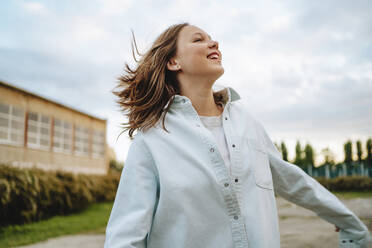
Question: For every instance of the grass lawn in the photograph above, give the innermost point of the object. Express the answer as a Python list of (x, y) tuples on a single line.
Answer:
[(92, 220), (352, 194)]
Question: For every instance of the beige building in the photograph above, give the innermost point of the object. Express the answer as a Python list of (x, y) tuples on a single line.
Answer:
[(35, 131)]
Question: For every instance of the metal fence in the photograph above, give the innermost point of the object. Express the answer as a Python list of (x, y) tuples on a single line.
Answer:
[(328, 171)]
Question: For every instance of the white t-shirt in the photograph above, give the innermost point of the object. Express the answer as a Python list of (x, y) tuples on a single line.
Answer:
[(214, 124)]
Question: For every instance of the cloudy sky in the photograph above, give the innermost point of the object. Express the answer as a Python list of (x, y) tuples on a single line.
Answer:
[(304, 67)]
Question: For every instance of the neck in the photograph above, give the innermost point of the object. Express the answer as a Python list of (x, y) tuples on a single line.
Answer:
[(201, 95)]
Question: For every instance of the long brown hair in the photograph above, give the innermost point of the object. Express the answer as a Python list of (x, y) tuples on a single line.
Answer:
[(144, 91)]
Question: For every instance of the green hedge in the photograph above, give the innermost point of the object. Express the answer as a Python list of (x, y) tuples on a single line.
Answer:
[(346, 183), (28, 195)]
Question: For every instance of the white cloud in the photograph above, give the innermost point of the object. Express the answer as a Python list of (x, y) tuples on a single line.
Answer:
[(85, 30), (114, 7), (278, 24), (34, 7)]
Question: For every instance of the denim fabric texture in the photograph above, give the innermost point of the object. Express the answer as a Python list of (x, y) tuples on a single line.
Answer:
[(176, 192)]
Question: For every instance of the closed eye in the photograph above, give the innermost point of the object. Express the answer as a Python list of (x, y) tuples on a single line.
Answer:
[(197, 40)]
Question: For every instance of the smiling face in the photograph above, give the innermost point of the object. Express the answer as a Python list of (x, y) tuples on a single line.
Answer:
[(197, 54)]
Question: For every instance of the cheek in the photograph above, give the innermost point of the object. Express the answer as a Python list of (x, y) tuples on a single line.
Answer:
[(195, 56), (200, 53)]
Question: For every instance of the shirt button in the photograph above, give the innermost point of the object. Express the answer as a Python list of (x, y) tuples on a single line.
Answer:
[(236, 180), (226, 185), (233, 145), (212, 150), (225, 118), (236, 217)]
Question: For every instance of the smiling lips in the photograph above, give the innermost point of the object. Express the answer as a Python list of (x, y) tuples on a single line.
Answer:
[(213, 56)]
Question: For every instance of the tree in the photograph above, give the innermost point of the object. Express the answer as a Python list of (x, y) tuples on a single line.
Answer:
[(329, 157), (309, 155), (284, 151), (369, 152), (299, 156), (348, 151), (359, 151)]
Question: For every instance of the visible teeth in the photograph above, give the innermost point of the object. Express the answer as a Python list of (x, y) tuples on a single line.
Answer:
[(213, 56)]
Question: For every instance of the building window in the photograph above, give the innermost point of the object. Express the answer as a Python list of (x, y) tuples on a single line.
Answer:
[(98, 146), (12, 124), (62, 136), (38, 131), (81, 140)]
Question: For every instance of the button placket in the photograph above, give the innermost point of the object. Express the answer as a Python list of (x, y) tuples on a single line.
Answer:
[(236, 161), (229, 140), (229, 193)]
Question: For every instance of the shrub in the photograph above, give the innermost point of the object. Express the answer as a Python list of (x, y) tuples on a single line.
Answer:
[(346, 183), (115, 166), (28, 195)]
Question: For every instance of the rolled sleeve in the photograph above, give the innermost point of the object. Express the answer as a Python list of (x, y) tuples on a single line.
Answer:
[(294, 185), (135, 202)]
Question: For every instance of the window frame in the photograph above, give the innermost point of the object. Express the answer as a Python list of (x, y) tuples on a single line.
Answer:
[(9, 130), (101, 144), (39, 136), (78, 130), (62, 140)]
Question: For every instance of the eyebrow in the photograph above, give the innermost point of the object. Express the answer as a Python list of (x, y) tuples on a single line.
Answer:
[(202, 35)]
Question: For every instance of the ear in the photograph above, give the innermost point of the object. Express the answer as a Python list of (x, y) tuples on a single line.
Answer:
[(173, 65)]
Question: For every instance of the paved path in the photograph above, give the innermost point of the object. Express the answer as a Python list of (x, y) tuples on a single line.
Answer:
[(299, 227), (72, 241)]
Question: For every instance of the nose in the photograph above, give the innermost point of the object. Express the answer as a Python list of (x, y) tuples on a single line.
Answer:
[(213, 43)]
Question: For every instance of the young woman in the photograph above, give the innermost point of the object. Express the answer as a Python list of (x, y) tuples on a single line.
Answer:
[(201, 172)]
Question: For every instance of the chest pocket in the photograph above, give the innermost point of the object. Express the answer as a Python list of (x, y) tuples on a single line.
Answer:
[(260, 164)]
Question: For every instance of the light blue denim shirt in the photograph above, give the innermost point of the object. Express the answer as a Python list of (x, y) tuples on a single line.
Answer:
[(176, 192)]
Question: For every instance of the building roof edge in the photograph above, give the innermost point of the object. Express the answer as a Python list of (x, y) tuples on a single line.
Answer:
[(23, 91)]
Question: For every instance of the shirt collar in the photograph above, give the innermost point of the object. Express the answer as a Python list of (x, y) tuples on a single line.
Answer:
[(228, 93)]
